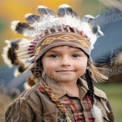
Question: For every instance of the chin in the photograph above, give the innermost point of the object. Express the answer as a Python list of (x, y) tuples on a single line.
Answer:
[(65, 79)]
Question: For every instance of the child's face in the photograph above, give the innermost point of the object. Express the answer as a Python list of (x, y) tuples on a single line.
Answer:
[(64, 63)]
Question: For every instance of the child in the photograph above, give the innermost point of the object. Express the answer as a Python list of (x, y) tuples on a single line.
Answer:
[(62, 68)]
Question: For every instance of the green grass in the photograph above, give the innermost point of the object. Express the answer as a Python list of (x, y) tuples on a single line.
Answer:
[(114, 94)]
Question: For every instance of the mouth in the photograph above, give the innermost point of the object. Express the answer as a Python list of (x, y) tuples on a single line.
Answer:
[(65, 71)]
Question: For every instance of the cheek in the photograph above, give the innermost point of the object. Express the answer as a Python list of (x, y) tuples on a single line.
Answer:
[(81, 66), (49, 66)]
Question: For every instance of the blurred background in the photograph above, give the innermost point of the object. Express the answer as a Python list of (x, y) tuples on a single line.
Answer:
[(107, 51)]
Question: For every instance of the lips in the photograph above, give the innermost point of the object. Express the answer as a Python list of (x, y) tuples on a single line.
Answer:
[(65, 71)]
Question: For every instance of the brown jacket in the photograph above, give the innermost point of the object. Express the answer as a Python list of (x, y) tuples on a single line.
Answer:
[(34, 105)]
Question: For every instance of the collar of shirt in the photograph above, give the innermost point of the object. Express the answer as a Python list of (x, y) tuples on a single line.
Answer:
[(97, 92), (59, 91), (83, 89)]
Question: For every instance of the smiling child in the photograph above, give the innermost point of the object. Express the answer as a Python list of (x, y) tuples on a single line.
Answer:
[(63, 71)]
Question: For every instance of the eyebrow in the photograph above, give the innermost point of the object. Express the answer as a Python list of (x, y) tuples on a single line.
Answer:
[(53, 51), (77, 50), (74, 50)]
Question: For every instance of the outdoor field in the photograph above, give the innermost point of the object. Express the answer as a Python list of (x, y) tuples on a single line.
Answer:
[(114, 94)]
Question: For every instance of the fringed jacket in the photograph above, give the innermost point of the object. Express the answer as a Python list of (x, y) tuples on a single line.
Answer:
[(34, 105)]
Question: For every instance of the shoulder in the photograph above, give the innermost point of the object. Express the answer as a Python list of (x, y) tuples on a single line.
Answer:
[(97, 92), (30, 97), (30, 93), (24, 105), (100, 93)]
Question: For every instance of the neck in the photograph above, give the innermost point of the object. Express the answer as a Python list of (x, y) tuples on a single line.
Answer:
[(70, 87), (69, 84)]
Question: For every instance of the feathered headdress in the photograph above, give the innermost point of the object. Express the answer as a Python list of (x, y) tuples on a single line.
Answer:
[(49, 30)]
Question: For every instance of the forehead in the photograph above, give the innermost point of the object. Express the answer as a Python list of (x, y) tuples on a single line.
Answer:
[(62, 48)]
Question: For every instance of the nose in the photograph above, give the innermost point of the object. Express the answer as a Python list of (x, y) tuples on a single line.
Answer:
[(65, 61)]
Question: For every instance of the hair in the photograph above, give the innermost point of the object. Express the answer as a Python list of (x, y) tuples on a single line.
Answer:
[(97, 73), (93, 74), (90, 85)]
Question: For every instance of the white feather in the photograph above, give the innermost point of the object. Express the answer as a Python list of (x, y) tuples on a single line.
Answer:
[(6, 60), (5, 54), (49, 22), (14, 24), (64, 6), (24, 54), (16, 73), (68, 19), (97, 114), (26, 86), (24, 41), (27, 61), (28, 14), (41, 6)]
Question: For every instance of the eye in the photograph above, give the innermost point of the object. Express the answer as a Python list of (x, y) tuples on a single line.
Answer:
[(76, 55), (53, 56)]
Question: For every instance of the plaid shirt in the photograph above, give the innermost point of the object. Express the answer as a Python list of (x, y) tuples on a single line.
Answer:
[(78, 111), (34, 105)]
